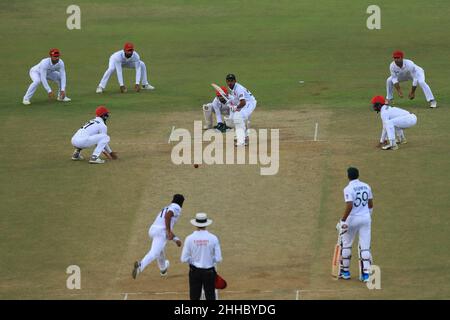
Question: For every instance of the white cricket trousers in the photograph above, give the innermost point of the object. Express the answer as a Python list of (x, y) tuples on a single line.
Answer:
[(112, 68), (420, 79), (240, 120), (36, 78), (159, 240), (82, 141), (399, 123), (357, 225)]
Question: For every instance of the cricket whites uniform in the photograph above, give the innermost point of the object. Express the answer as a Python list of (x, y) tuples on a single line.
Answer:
[(394, 121), (409, 71), (220, 109), (240, 117), (43, 71), (359, 221), (157, 232), (117, 61), (94, 132)]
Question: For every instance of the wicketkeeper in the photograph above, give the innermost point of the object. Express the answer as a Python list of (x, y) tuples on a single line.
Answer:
[(221, 109)]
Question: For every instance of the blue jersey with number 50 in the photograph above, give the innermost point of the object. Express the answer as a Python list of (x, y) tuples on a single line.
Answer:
[(359, 193)]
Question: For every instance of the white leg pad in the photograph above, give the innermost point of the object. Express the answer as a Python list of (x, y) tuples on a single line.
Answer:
[(239, 125)]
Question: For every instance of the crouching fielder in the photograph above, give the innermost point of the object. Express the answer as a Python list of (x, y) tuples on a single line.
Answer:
[(394, 121), (221, 109), (357, 219), (161, 231), (94, 133), (126, 58), (240, 114), (53, 69)]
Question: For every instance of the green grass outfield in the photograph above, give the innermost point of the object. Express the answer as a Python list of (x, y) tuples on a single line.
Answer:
[(54, 213)]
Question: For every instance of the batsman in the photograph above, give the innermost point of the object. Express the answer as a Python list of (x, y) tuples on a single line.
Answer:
[(356, 220)]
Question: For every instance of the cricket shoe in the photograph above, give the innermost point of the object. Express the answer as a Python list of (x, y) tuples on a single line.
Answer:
[(77, 155), (136, 269), (99, 90), (364, 277), (403, 141), (433, 104), (207, 127), (148, 86), (96, 160), (163, 272), (345, 275), (65, 99), (26, 102), (390, 147)]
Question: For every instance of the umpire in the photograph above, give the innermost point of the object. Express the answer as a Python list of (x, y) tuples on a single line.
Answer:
[(202, 251)]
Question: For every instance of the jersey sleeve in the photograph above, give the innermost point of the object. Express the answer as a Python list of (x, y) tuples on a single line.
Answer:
[(217, 251), (393, 75), (118, 66), (175, 209), (348, 196), (239, 93), (370, 192), (137, 65), (62, 72), (43, 75), (412, 70)]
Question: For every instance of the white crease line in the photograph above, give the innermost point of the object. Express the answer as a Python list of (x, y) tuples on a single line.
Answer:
[(316, 131), (126, 296), (170, 136), (297, 295)]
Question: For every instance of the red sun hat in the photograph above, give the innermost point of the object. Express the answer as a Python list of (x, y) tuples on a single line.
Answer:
[(101, 111), (378, 99), (54, 52), (128, 46), (398, 54), (224, 90)]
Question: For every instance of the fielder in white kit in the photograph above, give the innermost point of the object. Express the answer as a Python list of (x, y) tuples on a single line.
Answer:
[(221, 109), (356, 220), (161, 231), (94, 133), (48, 69), (126, 58), (404, 70), (240, 114), (394, 121)]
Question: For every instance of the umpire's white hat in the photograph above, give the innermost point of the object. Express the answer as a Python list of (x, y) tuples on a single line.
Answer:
[(201, 220)]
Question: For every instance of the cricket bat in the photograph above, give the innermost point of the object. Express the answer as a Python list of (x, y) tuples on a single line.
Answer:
[(219, 89), (336, 262)]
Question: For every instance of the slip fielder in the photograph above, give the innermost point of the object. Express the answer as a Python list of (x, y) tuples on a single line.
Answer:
[(404, 70), (394, 121), (94, 133), (356, 220), (126, 58), (48, 69)]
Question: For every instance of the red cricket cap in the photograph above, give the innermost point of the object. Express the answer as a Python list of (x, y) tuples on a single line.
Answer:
[(100, 111), (128, 46), (54, 52), (397, 54), (224, 90), (378, 99)]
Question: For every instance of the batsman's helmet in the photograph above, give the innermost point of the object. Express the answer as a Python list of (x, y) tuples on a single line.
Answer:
[(224, 90), (230, 76), (378, 102), (101, 111)]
